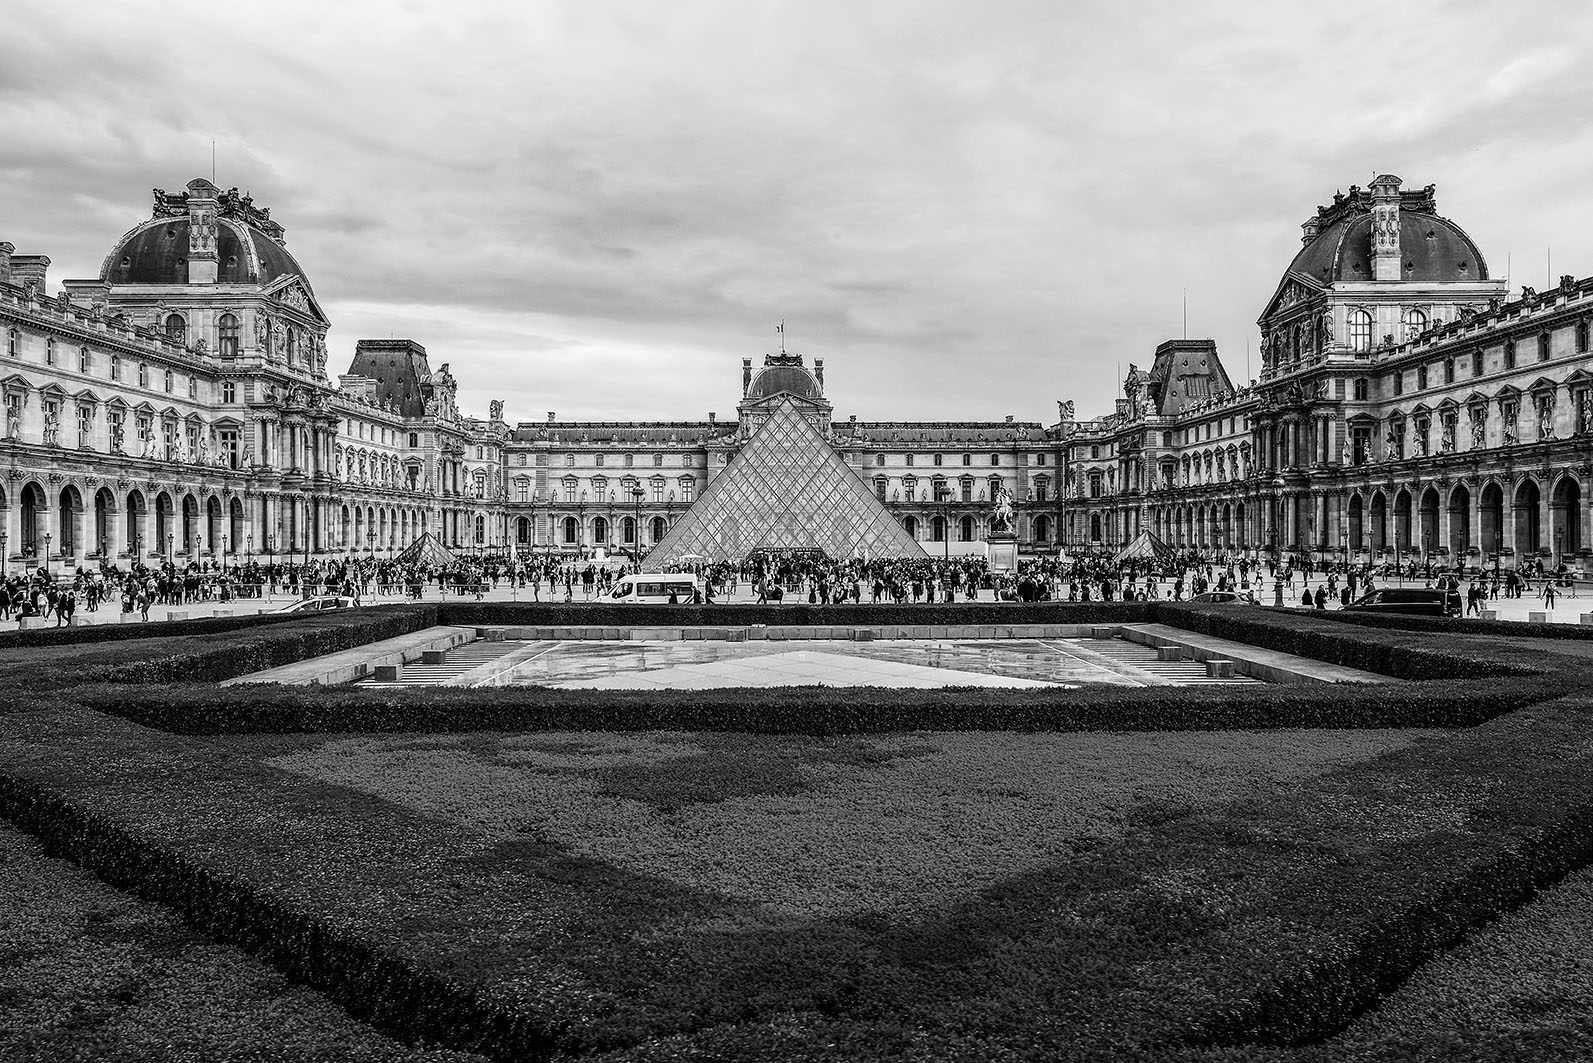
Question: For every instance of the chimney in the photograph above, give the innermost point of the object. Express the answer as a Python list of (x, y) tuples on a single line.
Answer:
[(1009, 418), (818, 372), (712, 417), (1386, 256), (550, 417), (6, 247), (203, 227), (1312, 226), (25, 268), (746, 376)]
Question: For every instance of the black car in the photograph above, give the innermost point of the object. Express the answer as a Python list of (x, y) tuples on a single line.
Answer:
[(1408, 601)]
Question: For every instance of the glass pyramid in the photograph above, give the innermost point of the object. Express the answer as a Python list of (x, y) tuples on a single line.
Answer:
[(785, 490)]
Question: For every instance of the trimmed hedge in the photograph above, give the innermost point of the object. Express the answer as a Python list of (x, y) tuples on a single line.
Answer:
[(606, 614), (158, 629), (274, 709), (203, 657), (1206, 934)]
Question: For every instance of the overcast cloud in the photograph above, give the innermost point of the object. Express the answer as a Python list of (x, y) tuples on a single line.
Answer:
[(968, 210)]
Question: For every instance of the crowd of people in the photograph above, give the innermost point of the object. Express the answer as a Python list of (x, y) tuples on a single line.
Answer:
[(808, 577)]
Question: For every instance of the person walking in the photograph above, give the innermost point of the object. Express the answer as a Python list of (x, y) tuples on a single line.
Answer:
[(1548, 594)]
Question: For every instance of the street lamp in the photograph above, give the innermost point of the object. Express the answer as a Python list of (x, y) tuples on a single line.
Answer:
[(171, 549), (637, 494), (943, 500), (47, 538), (3, 557)]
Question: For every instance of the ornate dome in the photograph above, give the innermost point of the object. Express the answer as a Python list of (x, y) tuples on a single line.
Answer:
[(249, 248), (793, 379), (1433, 250)]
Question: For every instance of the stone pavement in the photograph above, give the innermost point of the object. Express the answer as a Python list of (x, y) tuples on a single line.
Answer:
[(1567, 610)]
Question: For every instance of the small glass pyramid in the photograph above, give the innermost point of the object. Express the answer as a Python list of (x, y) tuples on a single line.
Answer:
[(785, 490)]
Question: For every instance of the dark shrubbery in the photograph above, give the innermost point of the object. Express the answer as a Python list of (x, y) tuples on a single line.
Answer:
[(161, 658), (605, 614), (203, 709)]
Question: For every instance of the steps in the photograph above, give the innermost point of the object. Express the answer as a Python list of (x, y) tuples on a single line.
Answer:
[(1144, 658), (458, 661)]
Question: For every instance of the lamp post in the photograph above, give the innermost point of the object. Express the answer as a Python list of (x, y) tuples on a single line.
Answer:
[(171, 549), (943, 501), (47, 538), (637, 495), (223, 551), (3, 557)]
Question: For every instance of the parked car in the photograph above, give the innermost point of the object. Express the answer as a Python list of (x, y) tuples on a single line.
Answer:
[(1225, 598), (313, 605), (1408, 601)]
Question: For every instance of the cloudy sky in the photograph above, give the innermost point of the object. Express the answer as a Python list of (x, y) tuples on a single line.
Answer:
[(968, 210)]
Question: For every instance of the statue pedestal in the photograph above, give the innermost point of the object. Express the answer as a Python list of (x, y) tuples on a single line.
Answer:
[(1003, 552)]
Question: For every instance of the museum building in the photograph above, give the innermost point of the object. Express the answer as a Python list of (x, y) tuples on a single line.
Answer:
[(1406, 409), (178, 405)]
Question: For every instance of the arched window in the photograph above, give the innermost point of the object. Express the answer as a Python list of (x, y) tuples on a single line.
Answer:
[(1543, 347), (1042, 530), (967, 529), (570, 531), (143, 374), (176, 328), (879, 459), (1415, 323), (227, 329), (1360, 330), (910, 526)]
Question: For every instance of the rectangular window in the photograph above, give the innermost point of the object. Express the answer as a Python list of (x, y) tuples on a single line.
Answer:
[(229, 446), (1039, 491), (1039, 459), (1476, 362), (1510, 354), (1449, 370), (688, 489), (1421, 378), (193, 387), (522, 490), (909, 461), (1360, 389), (116, 367), (1399, 383), (229, 392), (879, 488), (569, 491), (49, 352), (967, 490), (658, 490), (1543, 347), (82, 360)]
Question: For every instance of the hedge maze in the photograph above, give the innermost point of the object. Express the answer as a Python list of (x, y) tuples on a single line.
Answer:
[(1261, 925)]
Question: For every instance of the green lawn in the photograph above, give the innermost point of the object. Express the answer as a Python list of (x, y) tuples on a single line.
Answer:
[(820, 828), (90, 973)]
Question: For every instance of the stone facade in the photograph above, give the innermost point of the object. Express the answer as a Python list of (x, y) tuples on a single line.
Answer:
[(1405, 410), (179, 405)]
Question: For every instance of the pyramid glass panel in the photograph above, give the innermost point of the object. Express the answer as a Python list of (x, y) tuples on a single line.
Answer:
[(785, 490)]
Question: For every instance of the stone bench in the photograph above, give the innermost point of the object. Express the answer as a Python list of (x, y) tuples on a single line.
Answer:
[(1218, 669), (434, 657), (1537, 618), (1174, 653), (389, 673)]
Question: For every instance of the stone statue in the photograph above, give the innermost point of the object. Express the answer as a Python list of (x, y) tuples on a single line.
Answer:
[(1366, 452), (52, 428), (1001, 520), (1344, 453), (1064, 410), (1587, 413), (116, 438), (1448, 443), (262, 330), (495, 410), (1326, 328), (204, 451), (1479, 431), (149, 444), (247, 461), (1545, 422), (1391, 447), (1510, 435), (279, 339), (13, 422)]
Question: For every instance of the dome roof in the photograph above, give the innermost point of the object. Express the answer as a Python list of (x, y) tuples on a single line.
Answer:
[(1432, 249), (791, 379), (157, 253)]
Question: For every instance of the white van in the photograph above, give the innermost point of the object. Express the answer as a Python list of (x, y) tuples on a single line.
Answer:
[(654, 588)]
